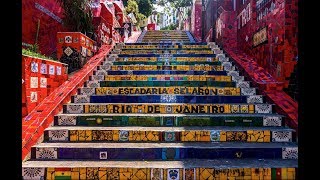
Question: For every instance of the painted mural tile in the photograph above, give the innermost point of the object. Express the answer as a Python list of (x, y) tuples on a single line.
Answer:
[(58, 135), (190, 174), (33, 173), (248, 91), (281, 136), (43, 68), (46, 153), (123, 135), (74, 109), (235, 108), (255, 99), (34, 67), (173, 174), (263, 108), (103, 155), (169, 136), (290, 153), (33, 96), (68, 51), (68, 39), (93, 84), (43, 82), (215, 135), (157, 174), (271, 121), (67, 120), (87, 91), (106, 135), (33, 82), (58, 70), (81, 99), (51, 69)]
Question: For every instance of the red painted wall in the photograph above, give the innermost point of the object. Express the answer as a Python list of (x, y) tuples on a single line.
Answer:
[(278, 54), (38, 83), (196, 26), (50, 15)]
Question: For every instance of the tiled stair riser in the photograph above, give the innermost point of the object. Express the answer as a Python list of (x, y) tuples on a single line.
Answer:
[(168, 121), (51, 173), (263, 136)]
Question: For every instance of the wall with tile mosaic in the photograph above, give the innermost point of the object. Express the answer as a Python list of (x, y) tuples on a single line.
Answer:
[(39, 78)]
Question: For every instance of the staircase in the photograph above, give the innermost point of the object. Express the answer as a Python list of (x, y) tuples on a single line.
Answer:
[(166, 109)]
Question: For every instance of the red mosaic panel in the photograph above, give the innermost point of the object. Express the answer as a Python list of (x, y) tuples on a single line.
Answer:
[(41, 117)]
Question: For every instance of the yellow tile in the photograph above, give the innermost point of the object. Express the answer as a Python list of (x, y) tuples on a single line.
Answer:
[(74, 135), (284, 173), (115, 135), (267, 177), (291, 169), (83, 173), (247, 178), (266, 133), (266, 139), (75, 175), (88, 135), (223, 136), (50, 173), (291, 175)]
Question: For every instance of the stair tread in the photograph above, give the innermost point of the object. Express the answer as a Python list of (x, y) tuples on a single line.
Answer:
[(139, 128), (212, 163), (211, 145)]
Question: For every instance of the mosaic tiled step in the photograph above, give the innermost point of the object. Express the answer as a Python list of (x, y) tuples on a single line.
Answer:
[(166, 67), (177, 48), (165, 77), (167, 90), (144, 46), (174, 59), (166, 52), (179, 170), (168, 134), (157, 72), (167, 120), (161, 84), (164, 151), (167, 108), (165, 98), (167, 55), (161, 44), (160, 63)]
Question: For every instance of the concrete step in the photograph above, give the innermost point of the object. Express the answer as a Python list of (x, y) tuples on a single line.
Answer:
[(166, 98), (167, 90), (163, 151), (169, 120), (203, 169), (167, 108), (168, 134)]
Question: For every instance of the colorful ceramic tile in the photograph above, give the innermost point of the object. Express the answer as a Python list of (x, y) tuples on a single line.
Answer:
[(58, 70), (248, 91), (156, 174), (33, 82), (168, 109), (254, 99), (33, 173), (87, 91), (68, 39), (244, 108), (190, 174), (169, 136), (51, 69), (173, 174), (68, 51), (103, 155), (58, 135), (43, 69), (34, 67), (290, 153), (74, 109), (235, 109), (281, 136), (67, 120), (43, 82), (215, 135), (33, 96), (93, 84), (271, 121), (46, 153), (263, 108), (83, 51), (99, 76), (243, 84), (81, 99), (123, 135)]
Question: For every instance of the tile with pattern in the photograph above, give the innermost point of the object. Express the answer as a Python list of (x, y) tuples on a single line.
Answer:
[(58, 135), (281, 136), (290, 153), (33, 173), (74, 109), (67, 120), (46, 153)]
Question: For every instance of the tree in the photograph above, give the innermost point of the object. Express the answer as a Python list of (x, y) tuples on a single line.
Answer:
[(145, 7), (132, 7), (77, 15)]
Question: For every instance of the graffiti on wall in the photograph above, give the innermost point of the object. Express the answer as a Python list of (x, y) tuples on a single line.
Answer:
[(244, 16), (264, 7)]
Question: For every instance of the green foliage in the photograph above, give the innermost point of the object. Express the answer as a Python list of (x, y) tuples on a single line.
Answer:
[(170, 27), (31, 52), (132, 7), (145, 7), (77, 15), (176, 3)]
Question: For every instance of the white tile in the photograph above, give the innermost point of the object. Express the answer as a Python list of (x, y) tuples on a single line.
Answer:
[(33, 173), (74, 109), (263, 108), (58, 135), (43, 82), (33, 82), (290, 153), (281, 136), (46, 153)]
